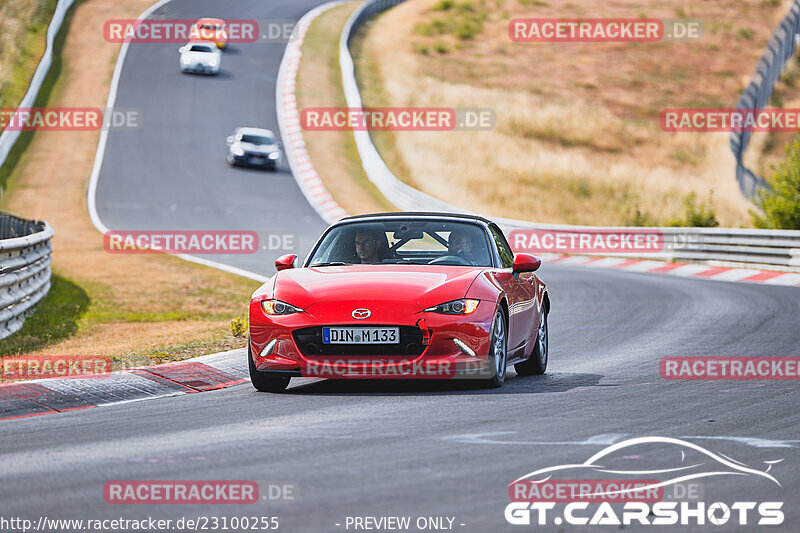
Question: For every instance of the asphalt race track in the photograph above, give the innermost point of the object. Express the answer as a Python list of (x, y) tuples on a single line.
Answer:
[(391, 448), (445, 449), (171, 174)]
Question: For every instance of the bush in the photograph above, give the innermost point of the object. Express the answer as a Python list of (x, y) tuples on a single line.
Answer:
[(697, 215), (469, 27), (781, 204), (634, 216), (444, 5), (239, 326), (461, 20)]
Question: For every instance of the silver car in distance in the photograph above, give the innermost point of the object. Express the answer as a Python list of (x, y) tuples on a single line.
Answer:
[(200, 57), (254, 147)]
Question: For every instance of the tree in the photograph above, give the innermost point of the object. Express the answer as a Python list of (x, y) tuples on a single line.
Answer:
[(781, 204)]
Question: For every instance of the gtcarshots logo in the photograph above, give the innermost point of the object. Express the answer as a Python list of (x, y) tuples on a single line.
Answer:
[(614, 488)]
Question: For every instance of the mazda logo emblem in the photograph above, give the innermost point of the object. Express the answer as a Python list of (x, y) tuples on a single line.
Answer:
[(361, 314)]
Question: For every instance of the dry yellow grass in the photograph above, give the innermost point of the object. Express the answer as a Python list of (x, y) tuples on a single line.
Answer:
[(139, 303), (319, 84), (577, 139)]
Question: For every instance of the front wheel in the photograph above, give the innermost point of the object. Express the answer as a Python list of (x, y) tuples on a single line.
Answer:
[(497, 352), (265, 381), (536, 364)]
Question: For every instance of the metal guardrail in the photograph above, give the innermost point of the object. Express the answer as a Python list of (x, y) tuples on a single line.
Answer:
[(25, 253), (9, 137), (776, 248), (751, 247), (764, 247), (769, 68)]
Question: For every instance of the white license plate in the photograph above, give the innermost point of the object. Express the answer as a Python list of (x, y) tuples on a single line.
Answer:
[(360, 335)]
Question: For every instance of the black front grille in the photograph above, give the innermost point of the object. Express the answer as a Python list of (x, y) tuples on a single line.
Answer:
[(309, 340)]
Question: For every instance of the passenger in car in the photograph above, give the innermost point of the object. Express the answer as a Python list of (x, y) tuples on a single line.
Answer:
[(460, 244)]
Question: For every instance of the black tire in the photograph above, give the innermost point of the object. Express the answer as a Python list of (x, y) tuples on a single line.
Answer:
[(265, 381), (536, 364), (498, 352)]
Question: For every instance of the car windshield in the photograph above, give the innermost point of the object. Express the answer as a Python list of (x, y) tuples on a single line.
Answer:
[(257, 139), (200, 48), (404, 242)]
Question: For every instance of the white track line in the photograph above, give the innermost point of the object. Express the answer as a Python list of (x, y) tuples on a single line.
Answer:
[(91, 193)]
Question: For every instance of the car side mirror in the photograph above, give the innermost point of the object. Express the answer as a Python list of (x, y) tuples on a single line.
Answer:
[(285, 261), (526, 263), (230, 139)]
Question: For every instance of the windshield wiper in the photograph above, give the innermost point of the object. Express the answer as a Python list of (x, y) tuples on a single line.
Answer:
[(332, 263)]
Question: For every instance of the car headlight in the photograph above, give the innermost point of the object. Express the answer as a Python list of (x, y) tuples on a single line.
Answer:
[(238, 151), (456, 307), (185, 60), (212, 63), (274, 155), (277, 307)]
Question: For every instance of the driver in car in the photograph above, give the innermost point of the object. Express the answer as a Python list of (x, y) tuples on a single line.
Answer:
[(367, 246), (460, 245)]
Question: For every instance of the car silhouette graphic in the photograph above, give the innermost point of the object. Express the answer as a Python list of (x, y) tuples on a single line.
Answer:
[(692, 462)]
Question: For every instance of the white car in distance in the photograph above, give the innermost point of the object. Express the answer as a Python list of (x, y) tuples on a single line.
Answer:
[(200, 57)]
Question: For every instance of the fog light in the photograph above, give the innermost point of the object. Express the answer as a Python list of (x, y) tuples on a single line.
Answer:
[(268, 348), (464, 348)]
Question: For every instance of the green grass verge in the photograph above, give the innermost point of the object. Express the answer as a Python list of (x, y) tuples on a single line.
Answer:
[(54, 318), (27, 51), (45, 93)]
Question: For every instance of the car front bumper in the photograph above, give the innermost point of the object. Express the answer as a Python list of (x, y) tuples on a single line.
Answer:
[(251, 161), (275, 348), (200, 69)]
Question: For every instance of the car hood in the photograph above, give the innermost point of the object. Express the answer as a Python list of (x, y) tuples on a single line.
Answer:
[(424, 286), (257, 148)]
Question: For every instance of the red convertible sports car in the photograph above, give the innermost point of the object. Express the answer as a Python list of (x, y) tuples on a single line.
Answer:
[(401, 295)]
